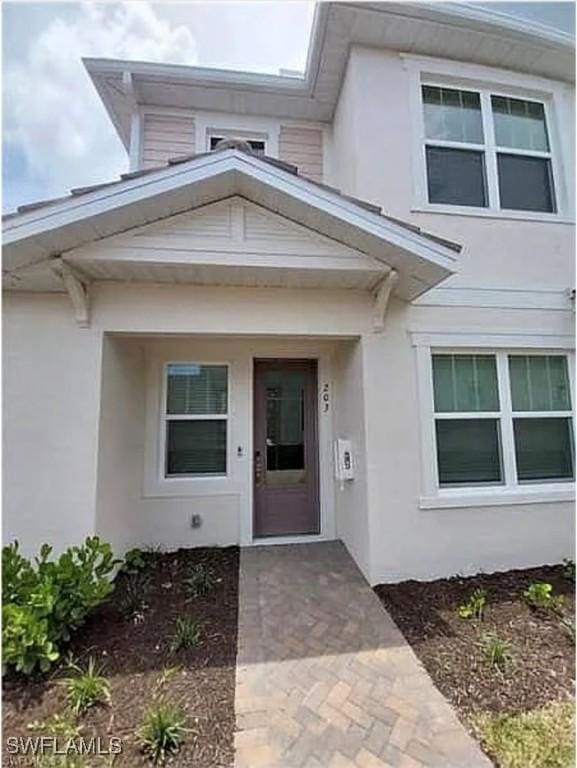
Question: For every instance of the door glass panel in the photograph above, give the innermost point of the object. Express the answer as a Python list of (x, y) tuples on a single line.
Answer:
[(285, 438)]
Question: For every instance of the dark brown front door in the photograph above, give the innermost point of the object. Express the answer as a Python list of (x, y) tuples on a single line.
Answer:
[(286, 498)]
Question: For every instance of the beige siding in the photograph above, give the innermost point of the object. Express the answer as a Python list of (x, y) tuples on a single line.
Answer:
[(166, 135), (303, 147)]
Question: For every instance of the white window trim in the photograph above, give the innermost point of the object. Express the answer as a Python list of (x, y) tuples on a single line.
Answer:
[(165, 418), (484, 81), (509, 492)]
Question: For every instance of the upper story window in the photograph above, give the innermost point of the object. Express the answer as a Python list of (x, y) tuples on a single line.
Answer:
[(257, 145), (487, 150)]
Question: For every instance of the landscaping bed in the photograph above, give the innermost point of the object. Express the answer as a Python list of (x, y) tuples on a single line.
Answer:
[(133, 636), (536, 644)]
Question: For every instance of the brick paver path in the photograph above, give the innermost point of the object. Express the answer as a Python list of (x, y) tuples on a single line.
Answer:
[(325, 679)]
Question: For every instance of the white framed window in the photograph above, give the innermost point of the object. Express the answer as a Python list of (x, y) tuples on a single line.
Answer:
[(501, 418), (195, 412), (486, 149), (258, 143)]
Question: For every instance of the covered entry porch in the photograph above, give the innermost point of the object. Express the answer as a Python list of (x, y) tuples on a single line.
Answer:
[(193, 435)]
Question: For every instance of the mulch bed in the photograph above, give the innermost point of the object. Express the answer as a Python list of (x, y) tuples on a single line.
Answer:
[(542, 667), (136, 650)]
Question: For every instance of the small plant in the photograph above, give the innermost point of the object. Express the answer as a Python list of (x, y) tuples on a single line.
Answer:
[(133, 593), (200, 582), (86, 688), (569, 569), (134, 561), (162, 730), (474, 606), (186, 634), (539, 594), (496, 651)]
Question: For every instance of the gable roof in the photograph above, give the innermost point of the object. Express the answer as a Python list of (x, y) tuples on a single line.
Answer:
[(43, 231), (455, 31)]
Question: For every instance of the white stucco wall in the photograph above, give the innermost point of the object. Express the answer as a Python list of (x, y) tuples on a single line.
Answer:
[(375, 157), (350, 419), (51, 395), (407, 541), (136, 506), (120, 441)]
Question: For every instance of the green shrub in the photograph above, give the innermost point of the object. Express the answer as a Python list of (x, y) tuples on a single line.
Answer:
[(496, 651), (86, 688), (539, 594), (163, 729), (18, 576), (474, 606), (186, 634), (200, 582), (26, 642), (134, 561), (45, 601)]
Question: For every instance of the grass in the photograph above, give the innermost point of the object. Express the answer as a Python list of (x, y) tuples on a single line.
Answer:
[(163, 730), (496, 651), (186, 634), (86, 688), (543, 738), (200, 582)]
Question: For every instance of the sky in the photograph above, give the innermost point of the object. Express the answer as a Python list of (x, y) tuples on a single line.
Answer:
[(56, 134)]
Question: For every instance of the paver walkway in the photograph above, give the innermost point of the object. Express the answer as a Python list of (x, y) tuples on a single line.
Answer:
[(325, 679)]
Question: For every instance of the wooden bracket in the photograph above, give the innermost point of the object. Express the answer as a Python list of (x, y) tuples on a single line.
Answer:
[(77, 290), (382, 297)]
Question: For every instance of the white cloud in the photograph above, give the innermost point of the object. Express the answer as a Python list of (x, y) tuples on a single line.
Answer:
[(52, 114)]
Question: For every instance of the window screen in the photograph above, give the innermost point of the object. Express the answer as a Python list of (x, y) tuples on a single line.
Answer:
[(468, 451), (465, 383), (456, 176), (519, 124), (539, 383), (452, 115), (196, 389), (525, 183)]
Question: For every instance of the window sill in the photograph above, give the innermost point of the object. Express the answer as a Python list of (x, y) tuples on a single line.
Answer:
[(485, 213), (498, 498)]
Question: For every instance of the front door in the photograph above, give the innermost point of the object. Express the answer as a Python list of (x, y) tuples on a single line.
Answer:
[(286, 498)]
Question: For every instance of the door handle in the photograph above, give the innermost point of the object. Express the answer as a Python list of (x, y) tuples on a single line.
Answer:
[(257, 468)]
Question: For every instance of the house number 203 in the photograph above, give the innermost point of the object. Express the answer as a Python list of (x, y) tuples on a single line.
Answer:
[(325, 398)]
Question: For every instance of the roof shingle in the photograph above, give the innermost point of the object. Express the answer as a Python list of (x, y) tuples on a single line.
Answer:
[(242, 147)]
